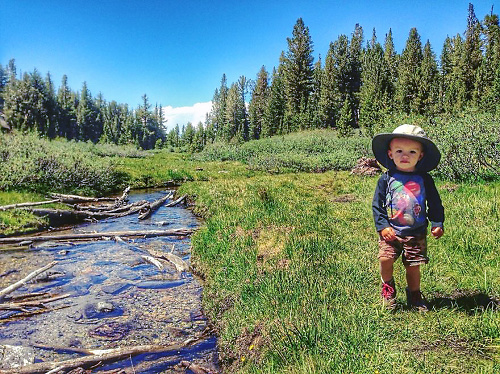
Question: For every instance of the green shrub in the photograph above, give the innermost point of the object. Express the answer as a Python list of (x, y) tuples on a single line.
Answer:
[(469, 145), (311, 151), (33, 164)]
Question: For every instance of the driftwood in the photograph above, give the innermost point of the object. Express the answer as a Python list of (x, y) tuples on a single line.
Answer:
[(23, 205), (116, 210), (26, 279), (31, 313), (157, 256), (75, 199), (98, 357), (148, 210), (32, 303), (97, 235)]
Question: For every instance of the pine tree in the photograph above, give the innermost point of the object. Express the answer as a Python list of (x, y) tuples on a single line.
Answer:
[(428, 95), (4, 78), (298, 74), (51, 106), (236, 124), (314, 108), (258, 104), (335, 85), (25, 103), (354, 82), (275, 111), (86, 116), (485, 86), (66, 102), (344, 124), (407, 89), (376, 86), (391, 61), (472, 55)]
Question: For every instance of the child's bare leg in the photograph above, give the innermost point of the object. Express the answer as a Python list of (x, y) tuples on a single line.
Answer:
[(413, 277), (386, 268)]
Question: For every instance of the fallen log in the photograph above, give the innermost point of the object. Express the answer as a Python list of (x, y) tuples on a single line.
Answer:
[(75, 199), (109, 208), (98, 235), (71, 216), (26, 279), (23, 205), (99, 357), (178, 201), (150, 208)]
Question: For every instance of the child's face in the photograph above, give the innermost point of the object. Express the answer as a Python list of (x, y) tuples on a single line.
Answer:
[(405, 153)]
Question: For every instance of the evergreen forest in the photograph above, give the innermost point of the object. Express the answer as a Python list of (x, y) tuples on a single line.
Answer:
[(356, 86)]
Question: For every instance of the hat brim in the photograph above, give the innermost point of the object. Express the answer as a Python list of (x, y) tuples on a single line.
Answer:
[(380, 145)]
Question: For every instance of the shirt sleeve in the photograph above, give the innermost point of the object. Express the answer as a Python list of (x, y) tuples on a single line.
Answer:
[(435, 209), (379, 204)]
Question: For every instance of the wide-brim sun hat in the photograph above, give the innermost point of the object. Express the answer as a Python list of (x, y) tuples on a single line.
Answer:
[(380, 145)]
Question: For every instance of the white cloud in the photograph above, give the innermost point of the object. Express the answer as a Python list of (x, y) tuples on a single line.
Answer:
[(183, 115)]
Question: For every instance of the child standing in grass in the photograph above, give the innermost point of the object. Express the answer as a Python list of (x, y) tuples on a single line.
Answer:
[(405, 200)]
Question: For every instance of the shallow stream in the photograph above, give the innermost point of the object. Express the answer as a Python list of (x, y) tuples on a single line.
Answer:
[(117, 299)]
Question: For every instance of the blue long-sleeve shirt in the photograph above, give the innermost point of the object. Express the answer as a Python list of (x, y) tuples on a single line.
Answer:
[(406, 202)]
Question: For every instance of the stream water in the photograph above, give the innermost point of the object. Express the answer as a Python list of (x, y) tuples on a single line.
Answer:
[(117, 299)]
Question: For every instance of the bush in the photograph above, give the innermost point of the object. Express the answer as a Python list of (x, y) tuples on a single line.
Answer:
[(33, 164), (311, 151), (469, 145)]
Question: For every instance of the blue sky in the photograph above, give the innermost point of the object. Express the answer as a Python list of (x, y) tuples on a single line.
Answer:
[(176, 51)]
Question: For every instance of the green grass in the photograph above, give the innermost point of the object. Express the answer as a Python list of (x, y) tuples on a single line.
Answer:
[(292, 280), (290, 268)]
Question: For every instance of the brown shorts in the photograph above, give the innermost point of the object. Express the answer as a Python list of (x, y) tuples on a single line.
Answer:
[(412, 248)]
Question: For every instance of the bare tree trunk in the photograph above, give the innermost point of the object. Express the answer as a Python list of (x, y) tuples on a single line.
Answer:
[(22, 205)]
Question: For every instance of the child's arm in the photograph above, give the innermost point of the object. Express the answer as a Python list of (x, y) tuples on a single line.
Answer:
[(380, 211), (435, 209)]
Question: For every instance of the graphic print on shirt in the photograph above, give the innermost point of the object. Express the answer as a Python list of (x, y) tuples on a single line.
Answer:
[(406, 200)]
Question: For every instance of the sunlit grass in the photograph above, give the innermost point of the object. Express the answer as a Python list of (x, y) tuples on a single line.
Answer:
[(293, 257)]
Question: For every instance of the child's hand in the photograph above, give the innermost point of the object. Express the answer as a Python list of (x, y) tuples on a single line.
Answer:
[(437, 232), (388, 234)]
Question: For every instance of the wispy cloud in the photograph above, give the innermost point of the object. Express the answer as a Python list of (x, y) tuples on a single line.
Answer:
[(183, 115)]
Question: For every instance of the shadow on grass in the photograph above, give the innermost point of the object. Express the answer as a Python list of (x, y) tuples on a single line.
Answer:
[(470, 302)]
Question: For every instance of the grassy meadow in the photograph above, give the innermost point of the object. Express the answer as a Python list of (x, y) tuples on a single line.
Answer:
[(288, 256)]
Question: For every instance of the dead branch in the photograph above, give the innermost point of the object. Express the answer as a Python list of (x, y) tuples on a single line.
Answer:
[(99, 357), (22, 205), (151, 208), (179, 263), (97, 235), (21, 282), (153, 261), (32, 303), (75, 199), (178, 201), (31, 313)]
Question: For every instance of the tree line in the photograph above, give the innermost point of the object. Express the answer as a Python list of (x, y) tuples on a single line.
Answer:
[(30, 103), (356, 86)]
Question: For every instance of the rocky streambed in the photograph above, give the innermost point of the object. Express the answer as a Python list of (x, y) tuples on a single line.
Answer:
[(114, 296)]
